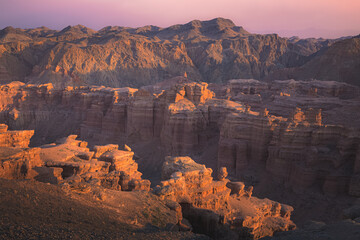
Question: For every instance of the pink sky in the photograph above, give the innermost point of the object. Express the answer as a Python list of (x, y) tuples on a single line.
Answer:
[(305, 18)]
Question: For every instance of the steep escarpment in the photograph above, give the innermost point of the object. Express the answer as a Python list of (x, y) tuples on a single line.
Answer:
[(221, 209), (69, 160), (104, 174), (300, 136), (211, 51), (16, 159), (289, 119)]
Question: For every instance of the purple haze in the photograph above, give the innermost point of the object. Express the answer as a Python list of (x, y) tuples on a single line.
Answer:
[(306, 18)]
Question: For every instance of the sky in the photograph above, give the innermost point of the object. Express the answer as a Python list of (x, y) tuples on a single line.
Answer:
[(303, 18)]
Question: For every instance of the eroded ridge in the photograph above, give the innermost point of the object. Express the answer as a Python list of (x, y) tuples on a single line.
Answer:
[(221, 209), (304, 133)]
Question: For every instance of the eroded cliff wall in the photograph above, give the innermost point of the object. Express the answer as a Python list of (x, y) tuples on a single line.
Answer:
[(304, 133)]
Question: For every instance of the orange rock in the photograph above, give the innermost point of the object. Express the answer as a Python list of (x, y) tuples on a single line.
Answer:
[(187, 181), (207, 204), (15, 138), (17, 163)]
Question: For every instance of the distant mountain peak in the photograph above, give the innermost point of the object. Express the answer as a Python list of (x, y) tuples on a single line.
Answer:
[(194, 23), (77, 28), (11, 29), (8, 29), (222, 22), (14, 33)]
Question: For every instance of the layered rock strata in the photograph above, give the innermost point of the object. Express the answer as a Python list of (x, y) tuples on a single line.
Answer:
[(69, 160), (293, 128), (212, 210), (19, 139), (16, 159), (105, 165), (189, 182)]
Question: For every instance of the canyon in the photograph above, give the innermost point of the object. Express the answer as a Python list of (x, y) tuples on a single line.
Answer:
[(200, 130), (317, 144), (105, 171), (256, 137)]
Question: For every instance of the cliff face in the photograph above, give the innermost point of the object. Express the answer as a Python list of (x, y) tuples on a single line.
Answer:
[(304, 133), (19, 139), (187, 190), (70, 161), (211, 208), (105, 166), (211, 51), (300, 152), (16, 159)]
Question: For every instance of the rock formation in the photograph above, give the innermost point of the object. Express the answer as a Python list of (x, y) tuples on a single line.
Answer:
[(19, 139), (303, 132), (211, 209), (192, 183), (106, 165), (214, 51), (304, 135), (16, 159), (295, 140), (70, 163), (69, 160)]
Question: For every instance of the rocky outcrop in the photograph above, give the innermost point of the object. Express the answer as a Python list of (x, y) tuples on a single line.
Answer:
[(302, 135), (106, 165), (304, 157), (244, 138), (16, 159), (192, 183), (69, 160), (184, 121), (212, 210), (304, 147), (17, 163), (19, 139), (296, 150), (301, 132), (182, 129)]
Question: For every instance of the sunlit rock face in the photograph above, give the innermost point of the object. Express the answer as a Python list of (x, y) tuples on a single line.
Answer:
[(191, 182), (69, 160), (16, 159), (220, 208), (211, 51), (105, 166), (302, 132), (244, 137), (305, 137), (188, 188), (14, 138), (302, 135)]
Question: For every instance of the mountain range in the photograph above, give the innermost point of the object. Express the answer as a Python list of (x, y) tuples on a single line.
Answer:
[(212, 51)]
